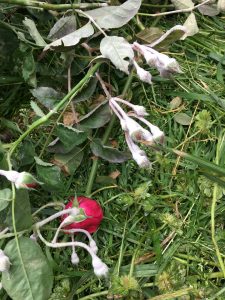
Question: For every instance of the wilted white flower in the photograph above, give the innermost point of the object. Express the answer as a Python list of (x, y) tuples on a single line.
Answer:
[(93, 246), (4, 262), (138, 109), (134, 132), (22, 180), (157, 134), (162, 62), (100, 268), (138, 155), (144, 75), (74, 258)]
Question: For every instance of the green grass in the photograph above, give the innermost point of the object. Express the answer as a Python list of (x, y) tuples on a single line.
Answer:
[(163, 231)]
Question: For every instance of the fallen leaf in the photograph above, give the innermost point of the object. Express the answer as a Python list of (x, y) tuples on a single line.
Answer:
[(115, 174)]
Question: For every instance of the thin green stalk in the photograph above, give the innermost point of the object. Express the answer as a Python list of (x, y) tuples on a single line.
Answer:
[(173, 295), (200, 260), (213, 209), (45, 118), (95, 295), (105, 139), (49, 6), (212, 167)]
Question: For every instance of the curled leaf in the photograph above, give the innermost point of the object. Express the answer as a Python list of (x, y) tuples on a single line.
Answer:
[(62, 27), (72, 38)]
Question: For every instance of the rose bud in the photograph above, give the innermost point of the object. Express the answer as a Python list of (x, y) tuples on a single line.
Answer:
[(92, 210), (23, 180)]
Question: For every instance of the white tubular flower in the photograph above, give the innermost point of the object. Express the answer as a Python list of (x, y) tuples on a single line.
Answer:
[(143, 75), (138, 155), (163, 63), (100, 268), (138, 109), (74, 258), (157, 134), (137, 132), (4, 262), (23, 180)]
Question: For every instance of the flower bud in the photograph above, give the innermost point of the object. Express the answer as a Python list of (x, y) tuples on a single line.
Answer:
[(140, 110), (26, 180), (21, 180), (74, 258), (4, 262), (92, 211), (141, 159), (143, 75), (100, 268)]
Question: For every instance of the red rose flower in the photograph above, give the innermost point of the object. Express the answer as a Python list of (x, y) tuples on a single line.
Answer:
[(92, 210)]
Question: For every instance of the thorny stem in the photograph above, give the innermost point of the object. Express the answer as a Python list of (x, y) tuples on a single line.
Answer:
[(45, 118), (105, 138), (49, 6)]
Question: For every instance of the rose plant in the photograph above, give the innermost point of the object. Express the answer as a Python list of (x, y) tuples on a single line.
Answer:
[(65, 128)]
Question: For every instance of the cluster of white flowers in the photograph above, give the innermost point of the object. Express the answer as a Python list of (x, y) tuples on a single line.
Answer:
[(134, 132), (162, 62)]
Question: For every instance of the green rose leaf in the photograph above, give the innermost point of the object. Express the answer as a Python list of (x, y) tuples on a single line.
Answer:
[(5, 198), (22, 211), (108, 153), (30, 276)]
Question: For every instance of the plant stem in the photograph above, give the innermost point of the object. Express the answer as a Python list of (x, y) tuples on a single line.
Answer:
[(45, 118), (105, 139), (52, 217), (49, 6), (95, 295), (213, 209), (184, 10), (173, 295)]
